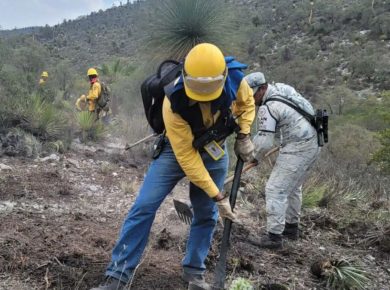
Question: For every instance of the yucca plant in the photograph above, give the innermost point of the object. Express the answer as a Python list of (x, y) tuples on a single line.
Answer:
[(181, 24), (112, 70), (41, 119), (340, 274), (90, 128), (379, 236)]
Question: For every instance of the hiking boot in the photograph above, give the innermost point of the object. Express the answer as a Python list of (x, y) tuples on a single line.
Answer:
[(196, 281), (112, 284), (270, 241), (291, 231)]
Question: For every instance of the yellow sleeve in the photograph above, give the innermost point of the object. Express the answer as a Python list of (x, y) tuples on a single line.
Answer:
[(180, 136), (94, 92), (245, 105)]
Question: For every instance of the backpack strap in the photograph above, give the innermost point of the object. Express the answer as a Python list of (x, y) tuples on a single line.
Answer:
[(191, 114), (307, 116)]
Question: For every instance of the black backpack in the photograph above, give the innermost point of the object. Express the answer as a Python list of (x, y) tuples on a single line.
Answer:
[(105, 96), (152, 91)]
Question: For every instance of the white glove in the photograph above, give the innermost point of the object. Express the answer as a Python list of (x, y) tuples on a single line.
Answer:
[(225, 210)]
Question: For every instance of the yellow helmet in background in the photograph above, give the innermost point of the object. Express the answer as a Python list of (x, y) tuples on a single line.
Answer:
[(92, 72), (204, 72), (45, 74)]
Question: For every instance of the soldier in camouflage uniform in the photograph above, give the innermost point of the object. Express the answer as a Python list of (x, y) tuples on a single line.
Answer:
[(299, 149)]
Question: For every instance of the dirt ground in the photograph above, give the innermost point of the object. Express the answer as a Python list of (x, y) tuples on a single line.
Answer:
[(60, 219)]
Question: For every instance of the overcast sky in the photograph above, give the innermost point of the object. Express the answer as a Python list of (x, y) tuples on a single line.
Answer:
[(24, 13)]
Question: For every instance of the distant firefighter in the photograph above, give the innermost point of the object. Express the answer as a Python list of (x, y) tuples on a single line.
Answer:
[(98, 96), (44, 77)]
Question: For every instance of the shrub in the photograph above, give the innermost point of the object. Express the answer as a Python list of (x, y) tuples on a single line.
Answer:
[(340, 274), (181, 24), (241, 284), (90, 128), (41, 119), (313, 196), (382, 156)]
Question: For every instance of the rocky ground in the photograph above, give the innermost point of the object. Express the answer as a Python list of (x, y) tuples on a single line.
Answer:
[(60, 217)]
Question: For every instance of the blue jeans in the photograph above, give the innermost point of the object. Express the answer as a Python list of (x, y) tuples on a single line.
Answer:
[(163, 174)]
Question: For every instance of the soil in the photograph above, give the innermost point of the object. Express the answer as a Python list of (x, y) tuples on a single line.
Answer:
[(60, 220)]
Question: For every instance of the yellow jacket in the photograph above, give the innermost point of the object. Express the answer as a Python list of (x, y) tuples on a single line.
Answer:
[(180, 135), (42, 82), (93, 94)]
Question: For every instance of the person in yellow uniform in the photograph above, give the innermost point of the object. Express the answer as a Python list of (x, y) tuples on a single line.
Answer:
[(199, 101), (93, 94), (45, 89), (43, 79)]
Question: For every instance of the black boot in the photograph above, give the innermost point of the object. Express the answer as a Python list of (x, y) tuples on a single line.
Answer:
[(271, 241), (291, 231)]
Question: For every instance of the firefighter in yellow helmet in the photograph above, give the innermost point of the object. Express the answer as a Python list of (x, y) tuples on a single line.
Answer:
[(94, 92), (198, 102), (44, 77)]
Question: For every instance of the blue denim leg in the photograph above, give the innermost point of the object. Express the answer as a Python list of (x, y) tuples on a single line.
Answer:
[(162, 176), (205, 217)]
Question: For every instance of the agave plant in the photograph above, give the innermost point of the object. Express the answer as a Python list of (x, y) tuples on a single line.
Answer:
[(90, 128), (181, 24), (41, 119), (340, 274), (379, 236)]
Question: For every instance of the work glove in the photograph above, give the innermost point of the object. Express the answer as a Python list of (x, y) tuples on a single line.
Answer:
[(224, 208), (244, 147)]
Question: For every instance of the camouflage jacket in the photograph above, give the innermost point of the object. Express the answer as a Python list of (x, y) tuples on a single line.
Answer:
[(276, 117)]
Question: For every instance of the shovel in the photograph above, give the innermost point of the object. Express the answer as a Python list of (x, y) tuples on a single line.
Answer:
[(220, 269), (184, 210)]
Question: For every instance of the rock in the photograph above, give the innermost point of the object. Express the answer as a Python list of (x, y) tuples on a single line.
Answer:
[(93, 188), (5, 167), (114, 174), (51, 157)]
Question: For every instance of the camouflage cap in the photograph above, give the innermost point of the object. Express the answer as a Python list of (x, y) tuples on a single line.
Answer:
[(255, 80)]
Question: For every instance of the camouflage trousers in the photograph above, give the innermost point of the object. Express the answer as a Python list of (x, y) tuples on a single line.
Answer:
[(284, 187)]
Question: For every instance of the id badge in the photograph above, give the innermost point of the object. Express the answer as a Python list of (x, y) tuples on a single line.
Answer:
[(214, 150)]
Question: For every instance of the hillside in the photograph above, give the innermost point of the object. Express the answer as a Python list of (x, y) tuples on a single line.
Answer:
[(66, 183), (313, 47)]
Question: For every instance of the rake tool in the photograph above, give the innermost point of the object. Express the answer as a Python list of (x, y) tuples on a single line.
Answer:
[(129, 146), (184, 210)]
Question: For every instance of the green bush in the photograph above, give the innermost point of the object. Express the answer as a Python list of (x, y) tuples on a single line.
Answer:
[(41, 119), (382, 156), (181, 24), (241, 284), (313, 196), (90, 128)]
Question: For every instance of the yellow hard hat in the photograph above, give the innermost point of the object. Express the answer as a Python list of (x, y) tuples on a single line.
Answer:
[(45, 74), (204, 72), (92, 72)]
